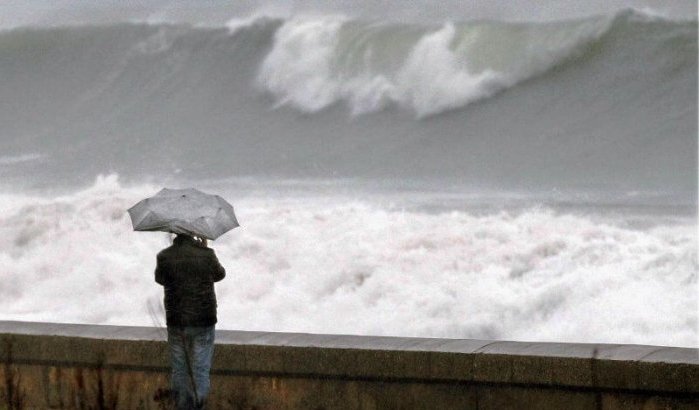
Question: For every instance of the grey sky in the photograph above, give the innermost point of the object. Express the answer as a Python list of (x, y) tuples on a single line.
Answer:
[(28, 12)]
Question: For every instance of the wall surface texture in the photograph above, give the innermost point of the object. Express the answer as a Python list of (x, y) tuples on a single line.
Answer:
[(47, 365)]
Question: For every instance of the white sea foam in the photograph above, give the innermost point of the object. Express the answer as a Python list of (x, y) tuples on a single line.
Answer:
[(434, 79), (653, 14), (336, 265), (298, 69), (316, 62), (18, 159), (235, 24), (260, 16)]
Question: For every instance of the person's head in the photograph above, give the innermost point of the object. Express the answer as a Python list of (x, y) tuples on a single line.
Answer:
[(182, 238), (196, 240)]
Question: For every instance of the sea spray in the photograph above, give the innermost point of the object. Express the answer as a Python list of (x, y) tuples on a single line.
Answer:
[(301, 262), (417, 177), (317, 62)]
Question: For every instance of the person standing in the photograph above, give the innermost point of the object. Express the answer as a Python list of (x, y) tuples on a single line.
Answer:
[(187, 270)]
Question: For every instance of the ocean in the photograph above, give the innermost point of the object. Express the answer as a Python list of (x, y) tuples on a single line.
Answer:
[(483, 178)]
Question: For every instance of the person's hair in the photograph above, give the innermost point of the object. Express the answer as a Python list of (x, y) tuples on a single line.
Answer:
[(197, 240), (182, 237)]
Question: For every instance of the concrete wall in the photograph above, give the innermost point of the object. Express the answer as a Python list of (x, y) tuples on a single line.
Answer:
[(104, 367)]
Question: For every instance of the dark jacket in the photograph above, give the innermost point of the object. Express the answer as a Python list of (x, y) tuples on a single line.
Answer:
[(188, 271)]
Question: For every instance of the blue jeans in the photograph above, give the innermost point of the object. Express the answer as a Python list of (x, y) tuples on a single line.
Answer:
[(191, 351)]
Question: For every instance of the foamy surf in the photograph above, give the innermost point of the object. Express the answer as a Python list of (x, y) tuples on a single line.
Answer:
[(300, 263)]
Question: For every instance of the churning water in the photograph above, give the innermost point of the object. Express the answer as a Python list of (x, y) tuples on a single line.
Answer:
[(477, 179)]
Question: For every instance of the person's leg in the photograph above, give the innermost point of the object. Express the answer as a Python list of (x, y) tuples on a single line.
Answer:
[(180, 381), (202, 353)]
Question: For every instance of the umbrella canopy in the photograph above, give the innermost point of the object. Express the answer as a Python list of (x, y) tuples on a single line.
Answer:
[(186, 211)]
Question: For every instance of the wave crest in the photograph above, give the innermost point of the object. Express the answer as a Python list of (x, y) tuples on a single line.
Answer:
[(315, 63)]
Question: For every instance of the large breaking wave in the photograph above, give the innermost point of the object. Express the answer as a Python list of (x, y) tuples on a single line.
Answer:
[(317, 62), (601, 103)]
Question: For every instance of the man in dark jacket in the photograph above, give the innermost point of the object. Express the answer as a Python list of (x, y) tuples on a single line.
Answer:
[(187, 270)]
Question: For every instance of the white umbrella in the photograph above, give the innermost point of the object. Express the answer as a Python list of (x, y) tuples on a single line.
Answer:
[(186, 211)]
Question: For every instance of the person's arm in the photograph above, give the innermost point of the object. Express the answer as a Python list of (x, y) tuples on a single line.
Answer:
[(159, 271), (218, 271)]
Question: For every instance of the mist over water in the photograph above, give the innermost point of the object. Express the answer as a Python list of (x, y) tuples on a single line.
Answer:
[(530, 178)]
